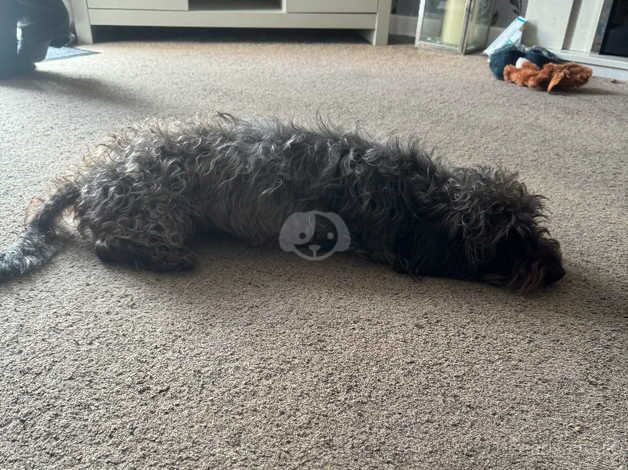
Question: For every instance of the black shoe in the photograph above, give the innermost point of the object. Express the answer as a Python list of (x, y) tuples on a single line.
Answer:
[(16, 69), (25, 67), (32, 51), (62, 40), (17, 72)]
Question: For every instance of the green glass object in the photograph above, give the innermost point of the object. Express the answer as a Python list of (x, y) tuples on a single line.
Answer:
[(457, 24)]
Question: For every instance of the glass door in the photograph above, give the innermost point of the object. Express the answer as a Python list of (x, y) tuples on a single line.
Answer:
[(457, 24)]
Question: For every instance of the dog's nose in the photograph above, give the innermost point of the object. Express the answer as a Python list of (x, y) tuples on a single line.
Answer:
[(314, 248)]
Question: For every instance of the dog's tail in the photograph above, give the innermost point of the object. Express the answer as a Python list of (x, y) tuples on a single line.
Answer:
[(41, 240)]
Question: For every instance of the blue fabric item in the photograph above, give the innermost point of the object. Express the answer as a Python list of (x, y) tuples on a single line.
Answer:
[(55, 53), (504, 56), (540, 56)]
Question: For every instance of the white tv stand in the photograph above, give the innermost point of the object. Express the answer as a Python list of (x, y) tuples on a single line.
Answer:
[(371, 17)]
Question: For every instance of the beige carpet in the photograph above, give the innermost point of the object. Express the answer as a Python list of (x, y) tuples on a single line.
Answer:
[(261, 359)]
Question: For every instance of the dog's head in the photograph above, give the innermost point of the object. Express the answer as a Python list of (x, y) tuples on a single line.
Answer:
[(496, 223)]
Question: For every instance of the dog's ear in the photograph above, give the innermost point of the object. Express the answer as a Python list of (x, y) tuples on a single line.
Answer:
[(423, 248)]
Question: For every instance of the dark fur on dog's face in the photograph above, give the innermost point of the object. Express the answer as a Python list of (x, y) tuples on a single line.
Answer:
[(525, 263), (488, 231), (503, 242)]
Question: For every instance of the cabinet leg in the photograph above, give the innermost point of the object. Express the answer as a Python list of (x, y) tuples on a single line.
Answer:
[(379, 35), (80, 18)]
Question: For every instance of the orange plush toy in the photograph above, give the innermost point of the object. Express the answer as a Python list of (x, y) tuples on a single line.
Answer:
[(559, 76)]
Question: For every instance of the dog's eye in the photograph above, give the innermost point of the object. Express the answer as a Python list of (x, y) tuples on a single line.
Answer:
[(330, 236)]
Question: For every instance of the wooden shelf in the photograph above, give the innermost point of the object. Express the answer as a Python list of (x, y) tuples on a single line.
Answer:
[(371, 17)]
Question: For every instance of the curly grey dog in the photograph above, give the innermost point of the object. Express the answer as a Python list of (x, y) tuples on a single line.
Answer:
[(147, 191)]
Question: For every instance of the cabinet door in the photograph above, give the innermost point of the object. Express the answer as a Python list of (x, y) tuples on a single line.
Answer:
[(331, 6), (139, 4)]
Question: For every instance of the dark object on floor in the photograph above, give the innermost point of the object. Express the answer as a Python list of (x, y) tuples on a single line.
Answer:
[(43, 23), (509, 55), (502, 57), (147, 191), (551, 76)]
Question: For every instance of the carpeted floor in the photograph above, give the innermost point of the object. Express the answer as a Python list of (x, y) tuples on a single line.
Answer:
[(259, 358)]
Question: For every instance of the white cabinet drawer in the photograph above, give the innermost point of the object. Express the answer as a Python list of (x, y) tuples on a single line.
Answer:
[(139, 4), (331, 6)]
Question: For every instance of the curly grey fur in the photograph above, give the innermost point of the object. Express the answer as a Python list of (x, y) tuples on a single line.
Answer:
[(42, 240), (147, 191)]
